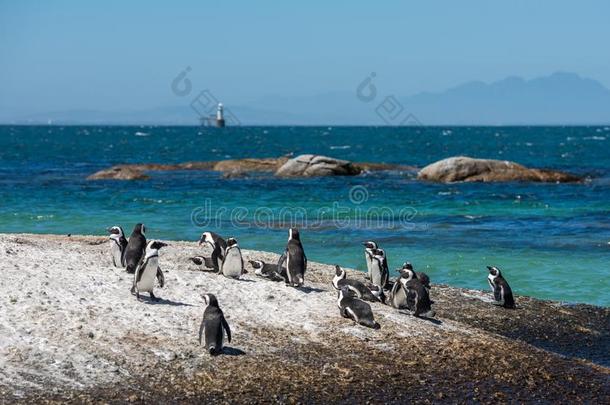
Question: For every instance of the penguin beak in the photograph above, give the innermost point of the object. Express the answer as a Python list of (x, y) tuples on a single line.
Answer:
[(489, 268), (364, 243)]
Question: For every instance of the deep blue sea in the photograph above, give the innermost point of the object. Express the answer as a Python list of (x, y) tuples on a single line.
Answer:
[(551, 240)]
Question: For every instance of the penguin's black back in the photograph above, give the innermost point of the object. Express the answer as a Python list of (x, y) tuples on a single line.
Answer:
[(212, 327), (418, 297), (134, 250)]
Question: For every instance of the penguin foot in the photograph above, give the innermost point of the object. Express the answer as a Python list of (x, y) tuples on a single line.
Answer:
[(152, 296)]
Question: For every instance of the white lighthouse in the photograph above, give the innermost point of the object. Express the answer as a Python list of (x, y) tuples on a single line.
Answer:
[(220, 119)]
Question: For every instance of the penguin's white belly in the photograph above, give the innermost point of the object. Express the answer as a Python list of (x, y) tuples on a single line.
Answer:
[(147, 281), (376, 276), (368, 263), (116, 255), (232, 265)]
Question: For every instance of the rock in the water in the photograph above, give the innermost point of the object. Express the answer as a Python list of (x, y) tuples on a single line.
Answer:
[(463, 168), (249, 165), (119, 173), (316, 165)]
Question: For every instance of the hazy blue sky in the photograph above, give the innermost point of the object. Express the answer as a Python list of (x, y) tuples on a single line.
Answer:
[(114, 55)]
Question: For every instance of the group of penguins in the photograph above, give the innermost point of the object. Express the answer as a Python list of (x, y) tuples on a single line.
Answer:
[(410, 290)]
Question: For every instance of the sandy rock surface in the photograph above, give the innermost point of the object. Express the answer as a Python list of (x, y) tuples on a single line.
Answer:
[(463, 168), (71, 331)]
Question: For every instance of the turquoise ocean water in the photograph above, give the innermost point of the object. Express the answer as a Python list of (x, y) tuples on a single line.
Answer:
[(551, 240)]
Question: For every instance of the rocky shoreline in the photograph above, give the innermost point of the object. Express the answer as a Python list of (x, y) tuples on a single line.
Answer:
[(71, 332), (450, 170)]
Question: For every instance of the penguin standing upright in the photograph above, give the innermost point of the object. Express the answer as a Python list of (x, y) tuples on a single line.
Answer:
[(418, 299), (213, 326), (421, 276), (379, 269), (357, 287), (148, 270), (503, 295), (135, 248), (355, 309), (118, 245), (232, 263), (295, 259), (369, 246), (218, 244)]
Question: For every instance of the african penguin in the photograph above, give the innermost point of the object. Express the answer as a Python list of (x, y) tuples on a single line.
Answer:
[(232, 263), (295, 260), (148, 270), (418, 300), (503, 295), (357, 287), (379, 269), (265, 270), (218, 245), (355, 309), (118, 245), (206, 261), (369, 246), (398, 296), (213, 326), (421, 276), (135, 248)]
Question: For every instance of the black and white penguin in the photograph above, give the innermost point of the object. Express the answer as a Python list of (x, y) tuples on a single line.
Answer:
[(369, 246), (398, 296), (379, 269), (265, 270), (148, 270), (357, 287), (218, 244), (232, 263), (421, 276), (135, 248), (503, 295), (202, 260), (295, 260), (418, 299), (213, 326), (356, 309), (118, 243)]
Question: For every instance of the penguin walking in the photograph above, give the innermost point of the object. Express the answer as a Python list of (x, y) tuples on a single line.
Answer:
[(218, 244), (148, 270), (421, 276), (213, 326), (117, 246), (357, 287), (503, 295), (356, 309), (232, 263), (295, 260), (417, 297), (266, 270), (369, 246), (379, 269), (135, 248)]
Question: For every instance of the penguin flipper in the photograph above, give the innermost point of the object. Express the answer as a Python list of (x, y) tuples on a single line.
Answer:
[(280, 266), (498, 293), (160, 277), (201, 330), (227, 329)]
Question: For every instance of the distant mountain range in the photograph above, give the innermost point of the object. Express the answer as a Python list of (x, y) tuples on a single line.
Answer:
[(558, 99)]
